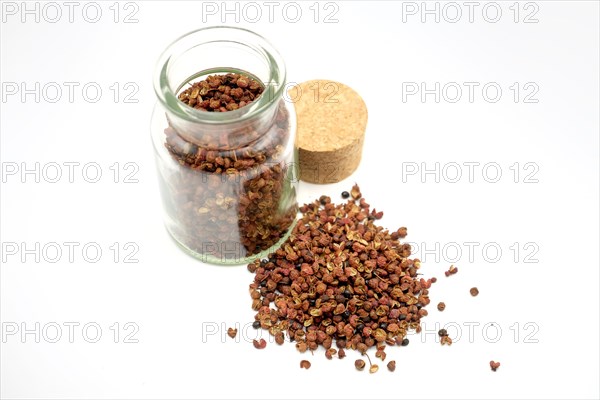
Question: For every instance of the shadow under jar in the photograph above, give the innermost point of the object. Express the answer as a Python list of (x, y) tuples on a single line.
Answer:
[(228, 180)]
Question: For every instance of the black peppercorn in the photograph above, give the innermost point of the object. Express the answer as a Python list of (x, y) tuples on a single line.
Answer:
[(383, 325), (256, 324), (346, 314), (405, 342), (402, 317), (345, 194)]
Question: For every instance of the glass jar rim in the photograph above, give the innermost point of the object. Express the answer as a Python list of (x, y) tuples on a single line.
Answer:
[(252, 40)]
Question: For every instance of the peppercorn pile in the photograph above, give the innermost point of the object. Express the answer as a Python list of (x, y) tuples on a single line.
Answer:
[(340, 277)]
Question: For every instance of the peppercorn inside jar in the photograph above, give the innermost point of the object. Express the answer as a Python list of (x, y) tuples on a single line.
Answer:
[(224, 145)]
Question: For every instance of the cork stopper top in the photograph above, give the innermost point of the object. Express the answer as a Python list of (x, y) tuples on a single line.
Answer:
[(331, 119), (330, 115)]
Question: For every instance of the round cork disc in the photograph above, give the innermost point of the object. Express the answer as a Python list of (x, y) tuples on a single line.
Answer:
[(331, 120)]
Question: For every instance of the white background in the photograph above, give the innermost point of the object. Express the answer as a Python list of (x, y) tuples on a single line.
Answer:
[(182, 307)]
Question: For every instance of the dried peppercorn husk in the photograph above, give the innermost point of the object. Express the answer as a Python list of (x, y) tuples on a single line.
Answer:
[(494, 365), (451, 271), (340, 278), (360, 364), (391, 366), (446, 340)]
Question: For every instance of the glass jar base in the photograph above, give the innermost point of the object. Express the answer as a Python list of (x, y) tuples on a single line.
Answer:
[(210, 259)]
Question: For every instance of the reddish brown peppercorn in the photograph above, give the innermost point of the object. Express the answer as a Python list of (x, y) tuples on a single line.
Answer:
[(330, 353), (474, 291), (360, 364), (243, 82), (279, 338), (259, 344), (232, 332), (391, 366), (305, 364), (380, 354), (301, 347)]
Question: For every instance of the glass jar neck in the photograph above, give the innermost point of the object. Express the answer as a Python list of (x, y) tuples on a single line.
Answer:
[(220, 50)]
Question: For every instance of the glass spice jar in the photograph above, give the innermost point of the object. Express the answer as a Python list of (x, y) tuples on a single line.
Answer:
[(228, 180)]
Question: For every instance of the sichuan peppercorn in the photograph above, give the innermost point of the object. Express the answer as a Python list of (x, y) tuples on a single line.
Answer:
[(392, 366), (340, 277), (359, 364), (231, 332), (494, 365)]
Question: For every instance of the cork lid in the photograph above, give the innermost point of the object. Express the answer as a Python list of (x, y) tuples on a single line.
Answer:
[(331, 120)]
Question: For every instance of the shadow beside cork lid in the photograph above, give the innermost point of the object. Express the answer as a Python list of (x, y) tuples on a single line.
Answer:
[(331, 120)]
